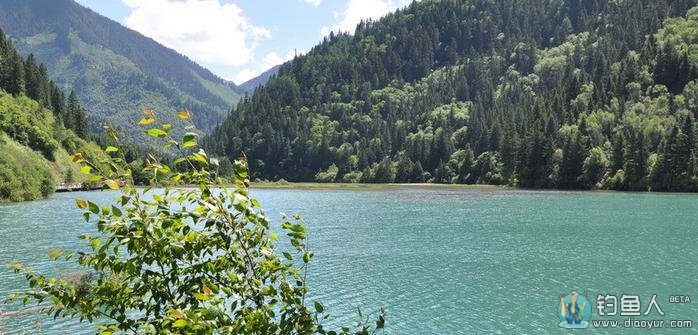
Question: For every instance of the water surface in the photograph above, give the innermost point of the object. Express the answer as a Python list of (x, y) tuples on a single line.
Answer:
[(439, 260)]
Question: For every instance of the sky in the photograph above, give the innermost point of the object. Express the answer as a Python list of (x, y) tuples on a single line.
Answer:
[(239, 39)]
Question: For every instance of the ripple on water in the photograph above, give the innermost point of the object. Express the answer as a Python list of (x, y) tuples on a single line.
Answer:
[(440, 260)]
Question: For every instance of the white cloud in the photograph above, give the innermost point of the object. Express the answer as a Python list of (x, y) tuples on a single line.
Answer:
[(357, 10), (270, 60), (245, 75), (204, 30), (314, 2)]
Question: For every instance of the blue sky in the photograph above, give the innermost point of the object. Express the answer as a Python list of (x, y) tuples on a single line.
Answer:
[(238, 39)]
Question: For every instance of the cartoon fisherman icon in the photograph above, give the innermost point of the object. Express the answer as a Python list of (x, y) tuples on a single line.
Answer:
[(571, 311), (574, 312)]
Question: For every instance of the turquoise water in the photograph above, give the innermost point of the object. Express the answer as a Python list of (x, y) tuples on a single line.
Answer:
[(439, 260)]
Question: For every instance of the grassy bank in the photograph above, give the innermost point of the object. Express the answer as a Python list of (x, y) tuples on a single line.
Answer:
[(34, 150)]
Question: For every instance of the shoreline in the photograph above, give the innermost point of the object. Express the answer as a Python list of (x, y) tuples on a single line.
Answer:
[(371, 187), (395, 186), (311, 186)]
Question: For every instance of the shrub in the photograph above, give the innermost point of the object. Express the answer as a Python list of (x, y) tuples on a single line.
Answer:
[(24, 174), (199, 260)]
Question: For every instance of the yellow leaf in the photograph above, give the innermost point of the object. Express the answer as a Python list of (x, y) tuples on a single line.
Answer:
[(175, 313), (112, 184), (54, 253), (184, 115), (149, 112), (82, 204), (15, 266), (77, 158), (146, 120)]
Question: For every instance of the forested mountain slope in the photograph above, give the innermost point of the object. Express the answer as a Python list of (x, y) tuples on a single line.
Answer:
[(534, 93), (39, 128), (116, 72)]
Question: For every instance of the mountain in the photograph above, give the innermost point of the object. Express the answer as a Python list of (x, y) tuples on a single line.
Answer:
[(38, 129), (531, 93), (250, 85), (116, 72)]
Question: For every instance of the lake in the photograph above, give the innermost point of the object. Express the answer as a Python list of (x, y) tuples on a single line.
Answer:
[(439, 260)]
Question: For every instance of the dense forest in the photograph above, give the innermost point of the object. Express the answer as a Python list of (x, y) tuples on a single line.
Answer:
[(541, 94), (20, 76), (39, 127)]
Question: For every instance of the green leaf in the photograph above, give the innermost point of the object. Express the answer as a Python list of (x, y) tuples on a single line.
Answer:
[(156, 132), (181, 323), (188, 144), (116, 211), (189, 137), (111, 149), (318, 307), (86, 169), (200, 158), (93, 207), (202, 296), (380, 323)]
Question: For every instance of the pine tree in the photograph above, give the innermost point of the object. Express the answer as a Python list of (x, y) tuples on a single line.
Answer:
[(573, 158), (15, 81), (75, 116), (618, 147), (635, 167), (58, 103), (465, 167), (34, 85)]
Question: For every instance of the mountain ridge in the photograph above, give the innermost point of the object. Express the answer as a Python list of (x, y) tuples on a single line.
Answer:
[(112, 67), (250, 85)]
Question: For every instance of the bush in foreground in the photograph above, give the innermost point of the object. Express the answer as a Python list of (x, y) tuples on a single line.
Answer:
[(195, 260)]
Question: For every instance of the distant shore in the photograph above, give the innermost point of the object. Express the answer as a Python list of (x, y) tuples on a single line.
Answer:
[(368, 187)]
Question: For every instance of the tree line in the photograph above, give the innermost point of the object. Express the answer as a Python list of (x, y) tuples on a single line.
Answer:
[(24, 76), (540, 94)]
